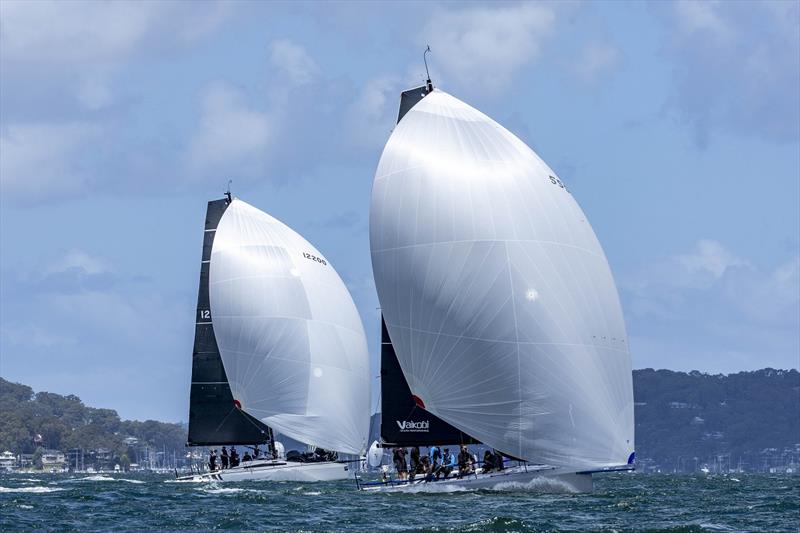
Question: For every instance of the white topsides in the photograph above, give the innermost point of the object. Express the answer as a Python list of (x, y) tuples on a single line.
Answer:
[(497, 295), (290, 336)]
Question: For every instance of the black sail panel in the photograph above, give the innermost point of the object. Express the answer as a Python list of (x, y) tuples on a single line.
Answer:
[(214, 419), (403, 422)]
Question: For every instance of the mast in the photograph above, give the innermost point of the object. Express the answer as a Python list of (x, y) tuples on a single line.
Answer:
[(214, 418)]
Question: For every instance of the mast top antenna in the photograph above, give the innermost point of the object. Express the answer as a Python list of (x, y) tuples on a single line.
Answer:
[(428, 83), (228, 192)]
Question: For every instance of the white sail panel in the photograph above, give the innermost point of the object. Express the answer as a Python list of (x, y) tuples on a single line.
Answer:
[(498, 298), (289, 334)]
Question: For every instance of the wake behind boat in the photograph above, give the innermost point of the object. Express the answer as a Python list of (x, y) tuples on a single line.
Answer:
[(501, 321), (279, 348)]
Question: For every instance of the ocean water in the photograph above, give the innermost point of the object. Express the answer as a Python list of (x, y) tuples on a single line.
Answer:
[(620, 502)]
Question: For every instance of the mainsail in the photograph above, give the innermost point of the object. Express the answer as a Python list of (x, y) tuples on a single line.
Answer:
[(214, 419), (496, 294), (288, 332)]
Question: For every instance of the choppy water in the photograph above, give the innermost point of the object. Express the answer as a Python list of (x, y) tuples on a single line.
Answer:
[(621, 502)]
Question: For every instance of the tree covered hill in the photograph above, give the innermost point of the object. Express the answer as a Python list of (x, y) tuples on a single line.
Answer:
[(65, 423), (747, 419), (683, 421)]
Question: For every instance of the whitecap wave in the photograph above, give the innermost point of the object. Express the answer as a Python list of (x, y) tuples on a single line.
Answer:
[(32, 490), (537, 484), (100, 477)]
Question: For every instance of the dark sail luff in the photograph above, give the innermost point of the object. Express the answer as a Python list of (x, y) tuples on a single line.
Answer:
[(403, 422), (214, 419)]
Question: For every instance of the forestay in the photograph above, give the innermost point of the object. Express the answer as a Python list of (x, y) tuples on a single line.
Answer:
[(497, 295), (290, 337)]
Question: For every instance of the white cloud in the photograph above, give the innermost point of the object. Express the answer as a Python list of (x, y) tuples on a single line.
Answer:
[(77, 32), (488, 46), (708, 309), (596, 59), (372, 114), (41, 160), (737, 66), (77, 259), (229, 131), (704, 16), (293, 62), (708, 258)]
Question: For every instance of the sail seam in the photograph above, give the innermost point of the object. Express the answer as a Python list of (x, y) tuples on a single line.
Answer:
[(516, 335)]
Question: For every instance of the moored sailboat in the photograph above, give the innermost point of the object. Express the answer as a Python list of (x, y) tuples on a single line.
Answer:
[(501, 321), (279, 348)]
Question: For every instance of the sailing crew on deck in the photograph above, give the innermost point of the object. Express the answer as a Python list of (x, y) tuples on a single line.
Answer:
[(448, 464), (224, 458), (212, 460), (247, 457), (488, 462), (399, 459), (465, 463), (414, 461), (256, 452), (234, 459), (435, 455), (498, 460)]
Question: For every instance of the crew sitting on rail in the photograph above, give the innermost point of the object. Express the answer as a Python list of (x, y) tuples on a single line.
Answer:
[(465, 462), (247, 457), (488, 462), (448, 464)]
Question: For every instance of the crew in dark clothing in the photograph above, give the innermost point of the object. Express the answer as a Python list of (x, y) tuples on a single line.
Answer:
[(488, 462), (247, 457), (414, 461), (498, 460), (224, 458), (465, 463), (234, 459), (399, 459), (256, 452), (425, 468), (212, 460)]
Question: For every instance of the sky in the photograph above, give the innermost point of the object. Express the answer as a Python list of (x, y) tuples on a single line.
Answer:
[(676, 126)]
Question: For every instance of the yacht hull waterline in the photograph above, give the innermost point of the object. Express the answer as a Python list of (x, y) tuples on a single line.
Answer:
[(275, 470), (536, 478)]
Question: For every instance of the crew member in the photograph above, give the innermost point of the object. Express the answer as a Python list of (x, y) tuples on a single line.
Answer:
[(448, 464), (212, 460), (224, 458)]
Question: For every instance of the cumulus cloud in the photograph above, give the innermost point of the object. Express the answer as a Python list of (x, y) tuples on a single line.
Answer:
[(738, 67), (44, 160), (728, 313), (293, 62), (74, 33), (596, 59), (488, 45), (229, 131)]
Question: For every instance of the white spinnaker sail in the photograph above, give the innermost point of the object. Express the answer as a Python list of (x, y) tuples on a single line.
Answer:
[(497, 295), (290, 336)]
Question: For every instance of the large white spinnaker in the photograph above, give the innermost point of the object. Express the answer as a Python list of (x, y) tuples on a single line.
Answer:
[(497, 295), (289, 334)]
